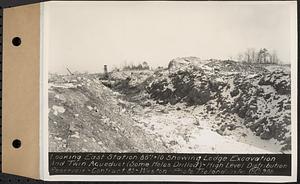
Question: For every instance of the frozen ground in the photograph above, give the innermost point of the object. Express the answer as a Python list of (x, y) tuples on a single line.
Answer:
[(186, 131), (205, 107)]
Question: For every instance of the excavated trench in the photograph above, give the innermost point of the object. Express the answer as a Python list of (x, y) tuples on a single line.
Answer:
[(184, 111)]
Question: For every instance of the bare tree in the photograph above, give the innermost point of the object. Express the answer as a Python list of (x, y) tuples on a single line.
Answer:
[(253, 55), (247, 56), (261, 56), (274, 57)]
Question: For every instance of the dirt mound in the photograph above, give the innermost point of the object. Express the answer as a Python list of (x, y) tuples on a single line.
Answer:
[(84, 115), (180, 62)]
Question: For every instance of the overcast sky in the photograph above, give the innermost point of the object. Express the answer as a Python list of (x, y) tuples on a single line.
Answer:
[(86, 35)]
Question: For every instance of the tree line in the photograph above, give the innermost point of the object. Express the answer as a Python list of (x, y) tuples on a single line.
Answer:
[(142, 66), (261, 56)]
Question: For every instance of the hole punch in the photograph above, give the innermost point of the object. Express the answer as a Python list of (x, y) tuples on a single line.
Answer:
[(16, 41), (16, 143)]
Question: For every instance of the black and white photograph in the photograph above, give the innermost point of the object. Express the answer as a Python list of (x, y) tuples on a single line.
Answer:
[(166, 77), (150, 91)]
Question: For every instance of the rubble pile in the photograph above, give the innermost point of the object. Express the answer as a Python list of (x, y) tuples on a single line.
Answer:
[(261, 98), (173, 109)]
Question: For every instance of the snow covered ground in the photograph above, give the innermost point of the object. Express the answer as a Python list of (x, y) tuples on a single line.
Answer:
[(184, 130), (224, 107)]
